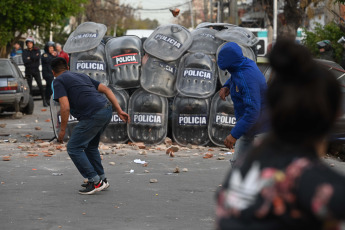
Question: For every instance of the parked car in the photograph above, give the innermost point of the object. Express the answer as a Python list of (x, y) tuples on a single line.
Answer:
[(14, 89), (35, 90), (338, 131)]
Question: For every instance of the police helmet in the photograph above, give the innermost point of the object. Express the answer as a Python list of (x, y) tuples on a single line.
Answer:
[(325, 44), (29, 39)]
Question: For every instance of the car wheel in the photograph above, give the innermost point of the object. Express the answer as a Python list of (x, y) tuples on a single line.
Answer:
[(29, 109)]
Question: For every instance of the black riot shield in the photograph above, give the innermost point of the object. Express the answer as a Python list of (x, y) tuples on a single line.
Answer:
[(149, 117), (92, 63), (197, 75), (86, 36), (168, 42), (56, 120), (240, 35), (224, 75), (205, 41), (222, 119), (116, 131), (190, 117), (123, 56), (159, 77)]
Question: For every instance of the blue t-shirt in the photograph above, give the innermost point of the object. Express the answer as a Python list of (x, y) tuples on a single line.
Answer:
[(82, 93)]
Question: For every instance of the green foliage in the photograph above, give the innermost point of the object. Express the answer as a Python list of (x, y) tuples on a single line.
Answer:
[(328, 32), (18, 16)]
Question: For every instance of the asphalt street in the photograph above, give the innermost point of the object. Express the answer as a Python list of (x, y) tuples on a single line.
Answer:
[(39, 183)]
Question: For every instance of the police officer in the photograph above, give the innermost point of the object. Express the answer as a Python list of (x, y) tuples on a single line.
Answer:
[(31, 58), (47, 57)]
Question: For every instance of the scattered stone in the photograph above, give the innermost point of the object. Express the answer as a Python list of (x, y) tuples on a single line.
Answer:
[(122, 154), (36, 121), (135, 147), (24, 147), (48, 155), (221, 158), (177, 170), (224, 149), (171, 154), (172, 149), (167, 141), (189, 146), (6, 158), (101, 157), (153, 180), (194, 147), (146, 171), (332, 165), (48, 120), (145, 164), (195, 154), (11, 140), (112, 163), (143, 152), (18, 115), (2, 125), (43, 144), (37, 128), (184, 170), (208, 155), (104, 147), (113, 151), (140, 145), (32, 155), (43, 110)]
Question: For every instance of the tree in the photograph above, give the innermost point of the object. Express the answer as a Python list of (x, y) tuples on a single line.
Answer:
[(295, 12), (18, 16)]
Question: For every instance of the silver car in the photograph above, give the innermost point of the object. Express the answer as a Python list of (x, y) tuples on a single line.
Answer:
[(14, 89)]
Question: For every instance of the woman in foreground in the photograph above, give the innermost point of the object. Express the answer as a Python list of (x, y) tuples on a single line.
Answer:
[(283, 183)]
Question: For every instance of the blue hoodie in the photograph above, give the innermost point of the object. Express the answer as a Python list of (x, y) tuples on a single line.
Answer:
[(247, 87)]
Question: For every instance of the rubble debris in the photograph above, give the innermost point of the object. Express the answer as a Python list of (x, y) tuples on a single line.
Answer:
[(143, 152), (221, 158), (184, 170), (32, 155), (43, 144), (153, 181), (167, 141), (43, 110), (189, 146), (146, 171), (131, 171), (18, 115), (140, 145), (171, 154), (48, 120), (138, 161), (176, 170), (112, 163), (37, 128), (6, 158), (57, 174), (208, 155), (11, 140), (2, 125)]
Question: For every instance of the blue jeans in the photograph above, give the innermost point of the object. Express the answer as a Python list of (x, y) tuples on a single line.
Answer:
[(83, 144)]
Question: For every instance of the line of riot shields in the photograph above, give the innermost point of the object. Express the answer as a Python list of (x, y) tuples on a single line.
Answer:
[(168, 84)]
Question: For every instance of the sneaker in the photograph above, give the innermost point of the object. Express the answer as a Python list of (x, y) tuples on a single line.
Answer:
[(107, 185), (91, 188)]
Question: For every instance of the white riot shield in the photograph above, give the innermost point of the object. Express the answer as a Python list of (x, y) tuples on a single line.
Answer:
[(240, 35), (215, 25), (92, 63), (189, 120), (159, 77), (222, 119), (168, 42), (197, 75), (205, 41), (116, 131), (149, 117), (86, 36), (123, 56)]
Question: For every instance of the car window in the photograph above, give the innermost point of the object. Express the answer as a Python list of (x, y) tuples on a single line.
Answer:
[(19, 73), (5, 68)]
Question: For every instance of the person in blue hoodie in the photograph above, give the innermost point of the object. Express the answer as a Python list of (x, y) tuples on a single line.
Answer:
[(247, 88)]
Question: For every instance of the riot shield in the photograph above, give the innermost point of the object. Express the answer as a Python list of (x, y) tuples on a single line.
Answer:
[(204, 41), (116, 131), (159, 77), (123, 56), (149, 117), (168, 42), (190, 117), (56, 120), (215, 25), (86, 36), (197, 75), (92, 63), (222, 119), (224, 75), (240, 35)]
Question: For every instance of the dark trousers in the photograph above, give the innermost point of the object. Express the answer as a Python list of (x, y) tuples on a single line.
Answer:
[(49, 91), (37, 77)]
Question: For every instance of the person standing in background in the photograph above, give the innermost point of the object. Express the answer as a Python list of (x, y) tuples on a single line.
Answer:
[(31, 58), (61, 53), (17, 50), (47, 57)]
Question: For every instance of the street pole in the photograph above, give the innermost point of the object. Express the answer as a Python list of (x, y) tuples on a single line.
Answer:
[(218, 12), (275, 15), (191, 13), (211, 11)]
